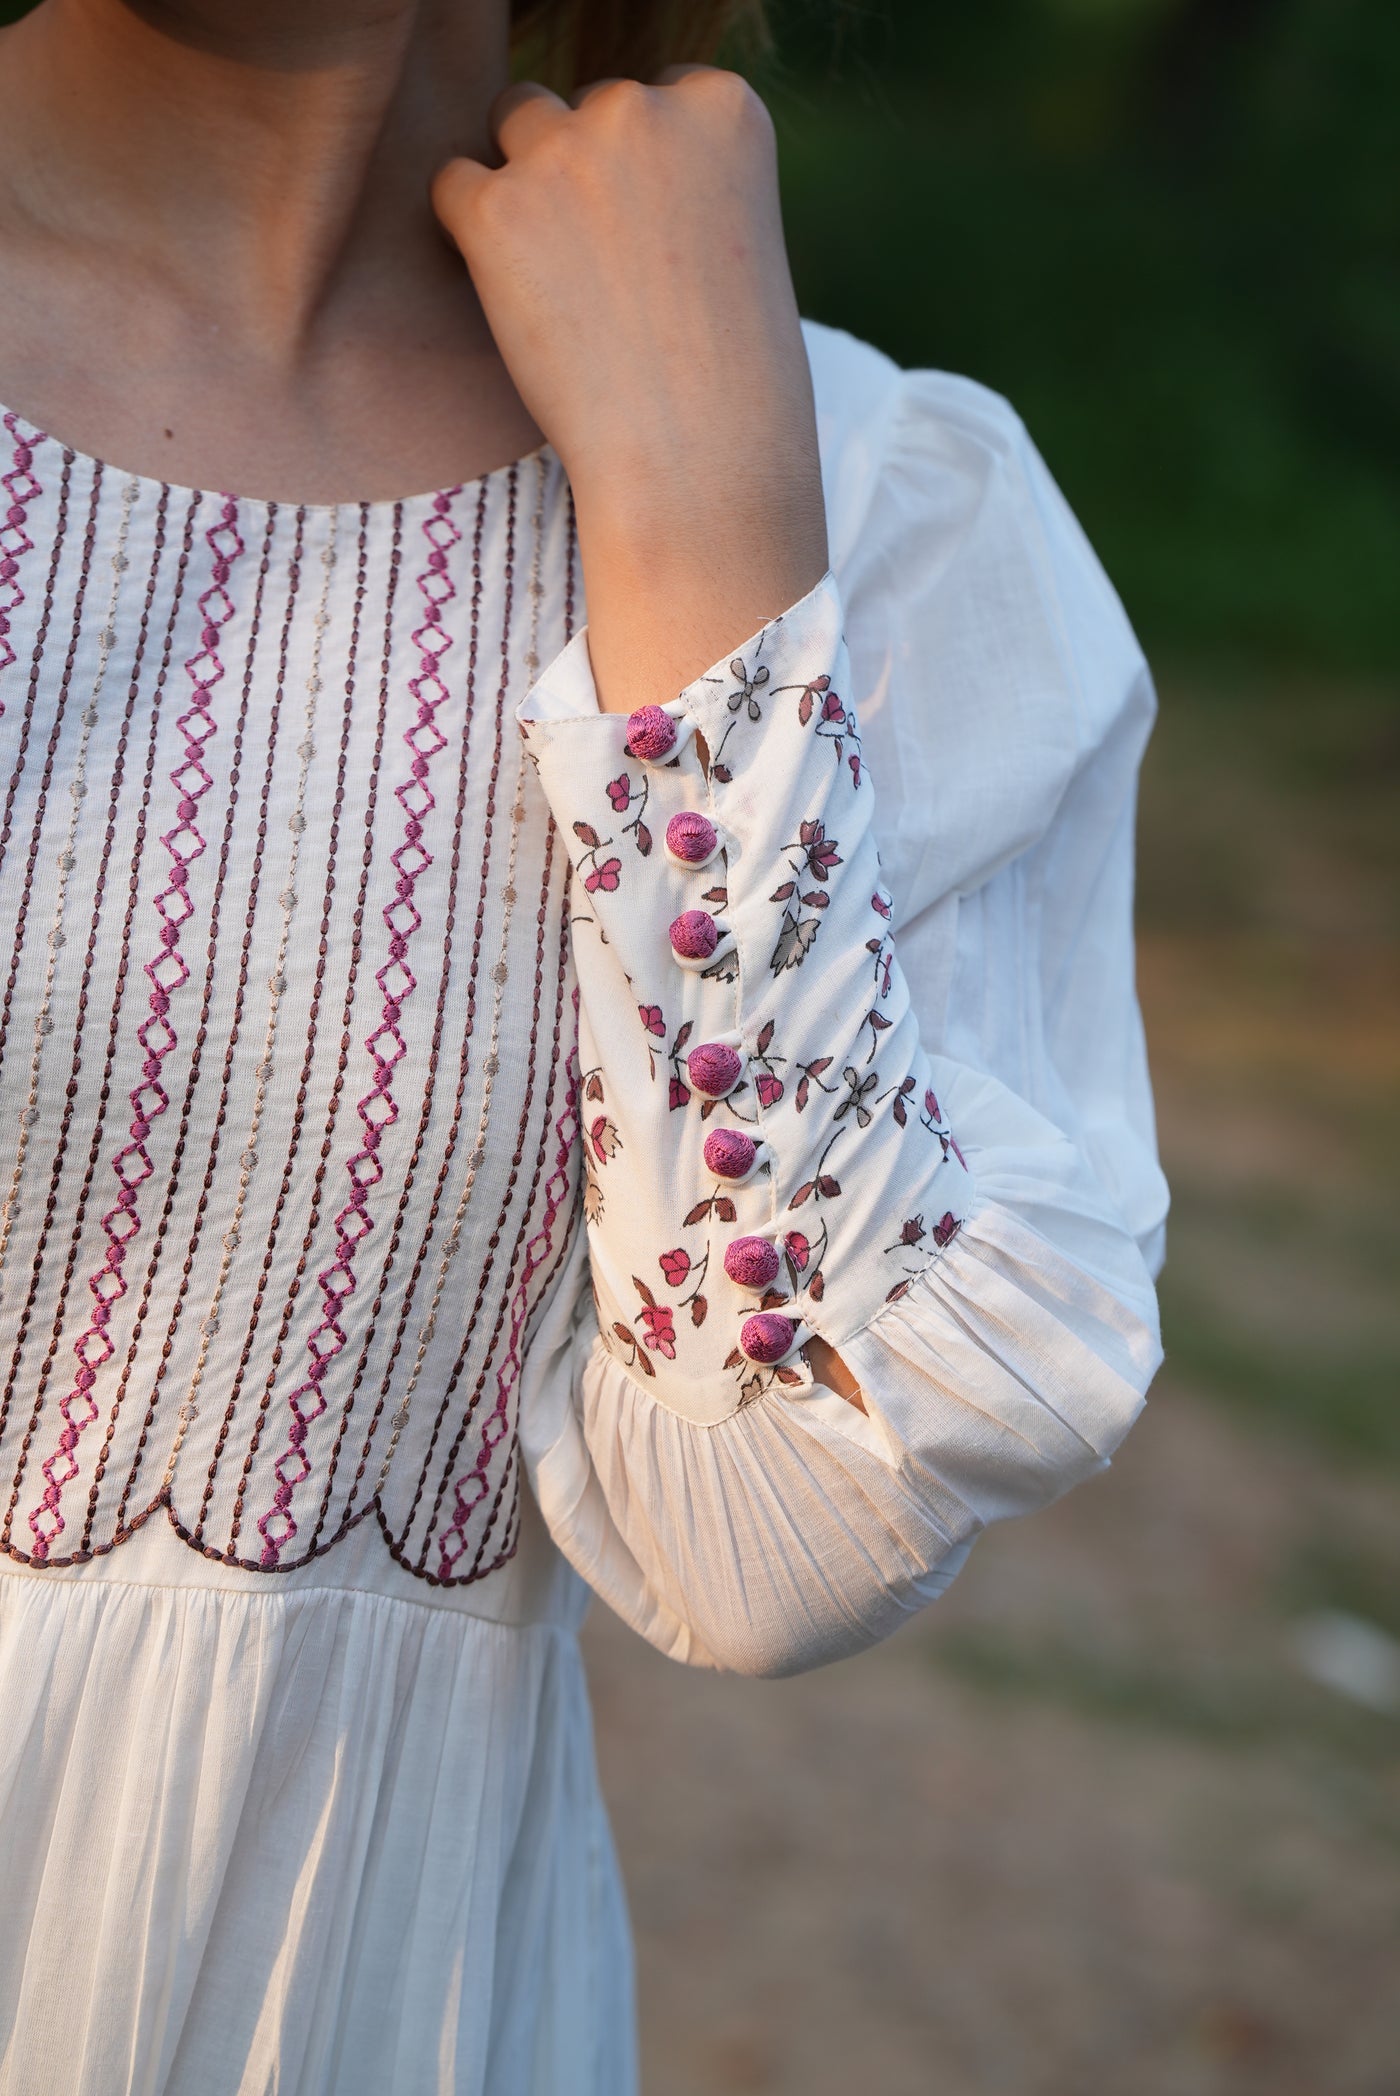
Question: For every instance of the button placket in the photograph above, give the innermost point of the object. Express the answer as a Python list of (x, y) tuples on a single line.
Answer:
[(753, 1262), (716, 1068), (692, 841), (657, 735), (734, 1157), (769, 1338), (775, 1333), (696, 937)]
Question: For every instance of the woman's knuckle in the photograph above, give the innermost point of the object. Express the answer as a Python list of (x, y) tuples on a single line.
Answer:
[(728, 99), (622, 102)]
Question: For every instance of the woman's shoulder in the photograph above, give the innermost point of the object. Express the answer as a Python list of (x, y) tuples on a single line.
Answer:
[(993, 654), (876, 419), (935, 489)]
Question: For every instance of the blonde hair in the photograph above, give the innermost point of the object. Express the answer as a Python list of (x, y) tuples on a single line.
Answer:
[(572, 41)]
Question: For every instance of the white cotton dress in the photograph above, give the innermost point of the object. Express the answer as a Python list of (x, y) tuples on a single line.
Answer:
[(373, 1284)]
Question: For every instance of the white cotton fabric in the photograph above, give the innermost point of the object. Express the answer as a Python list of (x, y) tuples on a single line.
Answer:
[(312, 1835), (338, 1833)]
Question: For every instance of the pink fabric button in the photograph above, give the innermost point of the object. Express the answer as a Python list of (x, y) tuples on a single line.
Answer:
[(729, 1153), (651, 733), (694, 935), (767, 1335), (714, 1068), (691, 836), (752, 1261)]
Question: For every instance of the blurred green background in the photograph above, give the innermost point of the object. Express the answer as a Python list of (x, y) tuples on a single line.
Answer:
[(1120, 1816), (1169, 230)]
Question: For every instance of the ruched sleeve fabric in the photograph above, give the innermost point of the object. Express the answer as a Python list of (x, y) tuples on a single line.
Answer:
[(859, 1058)]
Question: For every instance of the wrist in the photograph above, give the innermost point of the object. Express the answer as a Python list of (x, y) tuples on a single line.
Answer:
[(680, 568)]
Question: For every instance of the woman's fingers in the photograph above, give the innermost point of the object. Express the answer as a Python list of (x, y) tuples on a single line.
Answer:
[(628, 257), (454, 186), (593, 87), (518, 117), (521, 113)]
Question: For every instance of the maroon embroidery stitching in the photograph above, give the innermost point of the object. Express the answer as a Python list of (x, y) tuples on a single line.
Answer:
[(378, 1108), (235, 773), (195, 1535), (36, 1263), (172, 1191), (167, 973), (22, 488), (470, 1490)]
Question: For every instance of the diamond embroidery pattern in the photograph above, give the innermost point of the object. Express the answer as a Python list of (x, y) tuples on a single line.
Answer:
[(378, 1109), (21, 487), (167, 972)]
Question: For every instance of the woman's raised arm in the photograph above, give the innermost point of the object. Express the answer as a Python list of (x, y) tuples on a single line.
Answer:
[(782, 1161)]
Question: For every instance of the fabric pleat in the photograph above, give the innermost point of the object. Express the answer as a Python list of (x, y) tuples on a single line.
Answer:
[(267, 1842)]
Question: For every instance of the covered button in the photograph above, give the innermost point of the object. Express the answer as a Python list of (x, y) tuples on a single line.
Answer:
[(714, 1068), (729, 1153), (691, 837), (767, 1335), (651, 732), (694, 935), (752, 1261)]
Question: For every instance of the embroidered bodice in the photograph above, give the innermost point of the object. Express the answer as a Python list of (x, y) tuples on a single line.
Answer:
[(286, 1155)]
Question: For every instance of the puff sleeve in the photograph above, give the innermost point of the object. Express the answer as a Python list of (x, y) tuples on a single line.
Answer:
[(792, 1127)]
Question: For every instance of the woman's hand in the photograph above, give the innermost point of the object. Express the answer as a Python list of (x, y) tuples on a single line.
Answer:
[(629, 257)]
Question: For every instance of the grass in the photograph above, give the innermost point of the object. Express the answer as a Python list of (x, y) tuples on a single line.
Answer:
[(1269, 968), (1345, 1406), (1220, 1705)]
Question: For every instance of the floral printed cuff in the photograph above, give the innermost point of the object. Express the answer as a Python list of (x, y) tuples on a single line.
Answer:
[(765, 1150)]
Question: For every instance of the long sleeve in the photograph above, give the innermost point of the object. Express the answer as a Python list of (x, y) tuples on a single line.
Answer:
[(795, 1122)]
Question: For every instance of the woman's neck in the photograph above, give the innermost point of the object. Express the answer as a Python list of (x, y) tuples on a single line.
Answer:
[(218, 258), (271, 156)]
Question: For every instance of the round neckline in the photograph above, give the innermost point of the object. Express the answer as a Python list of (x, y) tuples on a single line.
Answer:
[(33, 433)]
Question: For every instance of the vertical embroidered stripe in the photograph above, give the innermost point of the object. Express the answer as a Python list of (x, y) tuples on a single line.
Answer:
[(279, 982), (491, 1068), (307, 1401), (276, 983), (21, 486), (167, 973), (191, 1093), (280, 1078), (471, 1490), (36, 672), (37, 1266), (433, 1059)]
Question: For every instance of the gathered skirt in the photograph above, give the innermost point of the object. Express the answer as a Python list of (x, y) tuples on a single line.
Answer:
[(314, 1839)]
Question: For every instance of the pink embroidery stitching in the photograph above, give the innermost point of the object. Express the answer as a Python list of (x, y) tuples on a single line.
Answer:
[(166, 974), (22, 488), (378, 1109), (469, 1491)]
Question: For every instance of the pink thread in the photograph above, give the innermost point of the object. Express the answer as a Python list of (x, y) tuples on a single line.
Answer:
[(766, 1336), (21, 487), (694, 935), (752, 1261), (378, 1109), (469, 1491), (729, 1153), (714, 1068), (651, 733), (691, 837), (167, 973)]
